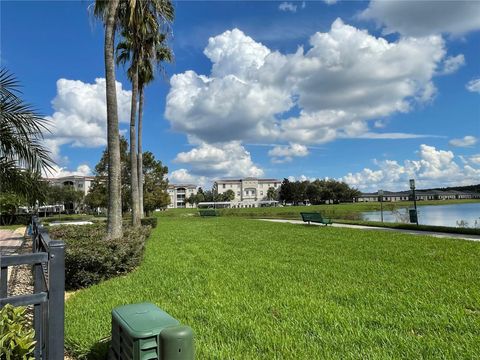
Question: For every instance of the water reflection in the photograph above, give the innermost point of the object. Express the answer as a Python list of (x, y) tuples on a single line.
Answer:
[(441, 215)]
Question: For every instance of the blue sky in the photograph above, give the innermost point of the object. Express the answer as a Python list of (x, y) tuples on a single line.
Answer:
[(375, 97)]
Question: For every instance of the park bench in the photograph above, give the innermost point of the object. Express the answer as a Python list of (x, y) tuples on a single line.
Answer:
[(315, 217), (207, 212)]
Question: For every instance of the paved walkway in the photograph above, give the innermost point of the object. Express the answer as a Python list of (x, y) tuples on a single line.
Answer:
[(11, 240), (373, 228), (10, 243)]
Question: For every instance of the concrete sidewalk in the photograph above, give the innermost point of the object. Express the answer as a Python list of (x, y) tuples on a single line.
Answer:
[(11, 240), (373, 228)]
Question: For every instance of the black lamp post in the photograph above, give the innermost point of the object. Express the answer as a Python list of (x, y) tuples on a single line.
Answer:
[(412, 186), (380, 195)]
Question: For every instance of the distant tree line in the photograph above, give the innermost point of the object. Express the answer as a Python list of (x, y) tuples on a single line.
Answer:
[(316, 192), (474, 188), (210, 196)]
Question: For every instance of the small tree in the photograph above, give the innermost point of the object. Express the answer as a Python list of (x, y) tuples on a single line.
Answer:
[(286, 193), (155, 194), (191, 199), (272, 194), (228, 195), (200, 196)]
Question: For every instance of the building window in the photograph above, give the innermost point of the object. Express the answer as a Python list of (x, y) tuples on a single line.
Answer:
[(223, 186), (261, 193)]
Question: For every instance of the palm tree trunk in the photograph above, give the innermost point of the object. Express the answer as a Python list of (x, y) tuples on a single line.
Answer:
[(133, 151), (140, 150), (114, 220)]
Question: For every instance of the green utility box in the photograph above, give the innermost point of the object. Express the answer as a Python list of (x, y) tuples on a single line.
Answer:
[(144, 332)]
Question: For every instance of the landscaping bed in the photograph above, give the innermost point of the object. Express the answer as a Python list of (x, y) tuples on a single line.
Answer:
[(90, 258), (258, 290)]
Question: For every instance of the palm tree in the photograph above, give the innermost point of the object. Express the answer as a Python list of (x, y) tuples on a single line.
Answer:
[(22, 155), (141, 36), (109, 11), (157, 52), (123, 55)]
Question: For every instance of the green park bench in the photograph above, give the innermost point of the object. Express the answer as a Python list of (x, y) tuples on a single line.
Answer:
[(315, 217), (207, 212)]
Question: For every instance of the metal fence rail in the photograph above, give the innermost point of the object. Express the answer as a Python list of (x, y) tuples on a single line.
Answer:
[(48, 262)]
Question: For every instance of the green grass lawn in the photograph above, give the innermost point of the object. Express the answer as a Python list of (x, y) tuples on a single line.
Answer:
[(258, 290)]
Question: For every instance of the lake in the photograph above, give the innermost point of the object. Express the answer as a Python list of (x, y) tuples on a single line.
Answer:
[(441, 215)]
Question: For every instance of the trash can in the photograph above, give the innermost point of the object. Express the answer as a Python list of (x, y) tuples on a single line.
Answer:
[(145, 332), (413, 215)]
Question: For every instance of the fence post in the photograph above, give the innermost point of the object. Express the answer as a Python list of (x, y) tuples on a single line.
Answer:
[(3, 280), (56, 301)]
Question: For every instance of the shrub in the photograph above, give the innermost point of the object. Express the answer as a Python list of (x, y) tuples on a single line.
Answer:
[(91, 258), (15, 219), (150, 221), (16, 335)]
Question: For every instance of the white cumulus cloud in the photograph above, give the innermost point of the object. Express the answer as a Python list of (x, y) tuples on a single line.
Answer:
[(466, 141), (285, 153), (80, 114), (474, 85), (225, 160), (422, 18), (183, 176), (434, 168), (452, 64), (287, 6), (346, 79), (475, 159), (57, 171)]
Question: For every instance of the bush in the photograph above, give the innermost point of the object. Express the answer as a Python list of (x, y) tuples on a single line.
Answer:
[(90, 258), (150, 221), (15, 219), (16, 335)]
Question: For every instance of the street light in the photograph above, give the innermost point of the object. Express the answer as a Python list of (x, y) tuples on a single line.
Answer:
[(412, 187), (380, 194)]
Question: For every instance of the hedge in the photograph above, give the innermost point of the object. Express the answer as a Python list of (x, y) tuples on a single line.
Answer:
[(91, 258), (150, 221), (15, 219)]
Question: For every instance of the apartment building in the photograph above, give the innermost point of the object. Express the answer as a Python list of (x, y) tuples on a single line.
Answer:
[(249, 192), (81, 183), (179, 193)]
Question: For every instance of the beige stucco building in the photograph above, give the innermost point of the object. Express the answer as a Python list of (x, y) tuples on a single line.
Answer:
[(249, 192), (179, 193), (81, 183)]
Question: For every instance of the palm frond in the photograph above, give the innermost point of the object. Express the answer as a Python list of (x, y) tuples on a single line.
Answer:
[(21, 129)]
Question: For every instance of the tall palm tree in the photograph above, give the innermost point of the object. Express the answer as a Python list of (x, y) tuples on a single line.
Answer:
[(108, 11), (123, 55), (143, 22), (22, 155), (156, 52)]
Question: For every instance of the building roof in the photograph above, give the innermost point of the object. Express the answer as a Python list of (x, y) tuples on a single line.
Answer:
[(246, 179), (77, 177), (175, 186)]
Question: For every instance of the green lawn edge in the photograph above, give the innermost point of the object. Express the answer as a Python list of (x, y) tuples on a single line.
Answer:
[(257, 290)]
